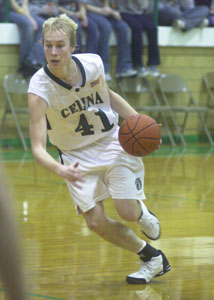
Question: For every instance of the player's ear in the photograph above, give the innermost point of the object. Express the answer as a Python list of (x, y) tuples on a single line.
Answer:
[(72, 49)]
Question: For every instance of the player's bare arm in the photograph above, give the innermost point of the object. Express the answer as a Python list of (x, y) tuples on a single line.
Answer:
[(120, 105), (38, 135)]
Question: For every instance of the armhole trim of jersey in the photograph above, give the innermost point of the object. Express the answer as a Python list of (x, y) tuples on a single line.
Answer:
[(82, 70)]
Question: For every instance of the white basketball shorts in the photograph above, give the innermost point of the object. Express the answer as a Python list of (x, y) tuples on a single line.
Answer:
[(108, 171)]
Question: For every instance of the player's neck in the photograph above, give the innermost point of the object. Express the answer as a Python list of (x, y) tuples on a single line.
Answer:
[(69, 73)]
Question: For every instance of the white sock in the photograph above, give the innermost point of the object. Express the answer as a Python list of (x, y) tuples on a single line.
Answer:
[(143, 246)]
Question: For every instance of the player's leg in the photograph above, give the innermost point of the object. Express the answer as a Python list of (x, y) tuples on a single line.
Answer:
[(111, 230), (126, 181), (122, 176), (155, 262), (136, 211), (126, 186)]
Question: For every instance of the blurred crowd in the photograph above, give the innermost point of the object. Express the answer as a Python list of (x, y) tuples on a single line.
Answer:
[(96, 20)]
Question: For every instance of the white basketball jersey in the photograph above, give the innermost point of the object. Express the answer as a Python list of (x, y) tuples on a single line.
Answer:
[(77, 116)]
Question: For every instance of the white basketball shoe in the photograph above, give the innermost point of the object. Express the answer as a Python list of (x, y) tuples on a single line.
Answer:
[(156, 266), (149, 223)]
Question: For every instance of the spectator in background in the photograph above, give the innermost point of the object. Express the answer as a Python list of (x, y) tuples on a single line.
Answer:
[(106, 18), (31, 56), (76, 10), (182, 14), (44, 8), (137, 15), (210, 5)]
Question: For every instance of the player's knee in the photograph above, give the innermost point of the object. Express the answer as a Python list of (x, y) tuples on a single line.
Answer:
[(92, 226), (127, 209), (95, 225)]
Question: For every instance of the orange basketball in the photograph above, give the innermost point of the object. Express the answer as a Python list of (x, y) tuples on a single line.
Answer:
[(139, 135)]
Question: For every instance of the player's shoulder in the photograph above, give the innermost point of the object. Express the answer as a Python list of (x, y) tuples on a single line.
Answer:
[(40, 76), (39, 82), (90, 64), (89, 59)]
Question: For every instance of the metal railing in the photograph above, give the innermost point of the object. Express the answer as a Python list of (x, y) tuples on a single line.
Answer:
[(6, 11), (155, 13)]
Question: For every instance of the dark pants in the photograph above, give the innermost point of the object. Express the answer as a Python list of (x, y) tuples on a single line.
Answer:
[(30, 47), (101, 39), (139, 24), (192, 17), (90, 34)]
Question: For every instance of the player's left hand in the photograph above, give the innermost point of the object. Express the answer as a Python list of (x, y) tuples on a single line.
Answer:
[(72, 174)]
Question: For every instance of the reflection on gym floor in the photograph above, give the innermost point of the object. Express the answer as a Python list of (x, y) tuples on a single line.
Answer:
[(63, 260)]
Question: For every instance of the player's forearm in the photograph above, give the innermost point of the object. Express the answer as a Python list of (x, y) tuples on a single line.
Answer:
[(38, 137), (45, 160), (120, 105), (70, 173)]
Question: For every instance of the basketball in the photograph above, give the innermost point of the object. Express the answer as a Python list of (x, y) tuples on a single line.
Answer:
[(139, 135)]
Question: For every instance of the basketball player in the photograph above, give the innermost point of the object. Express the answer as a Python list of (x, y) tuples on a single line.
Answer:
[(10, 266), (69, 100)]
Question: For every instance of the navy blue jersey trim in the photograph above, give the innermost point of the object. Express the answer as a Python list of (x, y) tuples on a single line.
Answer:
[(62, 83), (60, 156), (56, 79), (48, 123), (82, 70)]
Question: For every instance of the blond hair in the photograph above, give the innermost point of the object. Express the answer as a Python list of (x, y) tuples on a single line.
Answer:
[(62, 23)]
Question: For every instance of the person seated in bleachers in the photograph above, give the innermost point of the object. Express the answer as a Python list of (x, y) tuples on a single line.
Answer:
[(137, 14), (107, 19), (43, 8), (182, 14), (31, 54), (76, 10), (210, 5)]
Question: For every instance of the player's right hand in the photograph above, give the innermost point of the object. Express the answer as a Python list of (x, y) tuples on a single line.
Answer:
[(72, 174)]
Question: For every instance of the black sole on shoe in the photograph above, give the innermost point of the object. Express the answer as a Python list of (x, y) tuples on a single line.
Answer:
[(166, 265), (151, 237), (135, 280), (167, 269), (143, 281)]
